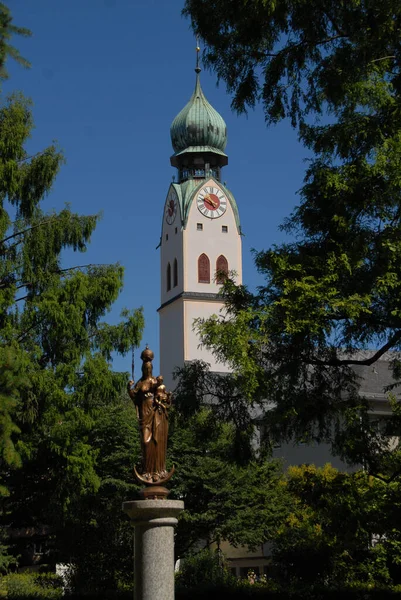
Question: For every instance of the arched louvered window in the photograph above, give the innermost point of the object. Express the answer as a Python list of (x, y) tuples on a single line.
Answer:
[(221, 269), (168, 277), (203, 269), (175, 273)]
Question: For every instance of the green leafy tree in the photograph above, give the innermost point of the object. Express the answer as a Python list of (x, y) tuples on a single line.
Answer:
[(231, 491), (56, 384), (8, 393), (333, 534), (7, 30), (97, 537), (333, 292), (300, 58), (55, 347)]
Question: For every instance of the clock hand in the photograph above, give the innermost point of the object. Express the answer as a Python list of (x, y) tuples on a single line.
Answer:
[(212, 202)]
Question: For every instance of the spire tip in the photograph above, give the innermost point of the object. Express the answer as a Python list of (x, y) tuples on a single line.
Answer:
[(197, 68)]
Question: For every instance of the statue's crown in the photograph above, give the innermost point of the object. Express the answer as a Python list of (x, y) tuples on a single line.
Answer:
[(147, 355)]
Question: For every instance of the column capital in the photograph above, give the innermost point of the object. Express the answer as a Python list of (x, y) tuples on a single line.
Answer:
[(153, 512)]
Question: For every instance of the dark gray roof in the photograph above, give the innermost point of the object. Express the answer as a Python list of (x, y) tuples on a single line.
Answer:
[(376, 377)]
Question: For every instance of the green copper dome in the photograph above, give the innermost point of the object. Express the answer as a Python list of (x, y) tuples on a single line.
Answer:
[(198, 126)]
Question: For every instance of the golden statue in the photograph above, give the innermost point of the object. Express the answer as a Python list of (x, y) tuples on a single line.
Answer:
[(152, 403)]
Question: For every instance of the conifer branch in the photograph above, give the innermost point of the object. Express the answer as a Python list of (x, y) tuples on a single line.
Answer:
[(23, 285), (27, 331), (10, 237), (81, 267), (40, 153)]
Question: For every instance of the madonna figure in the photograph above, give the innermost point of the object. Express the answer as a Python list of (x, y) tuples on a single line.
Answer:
[(152, 403)]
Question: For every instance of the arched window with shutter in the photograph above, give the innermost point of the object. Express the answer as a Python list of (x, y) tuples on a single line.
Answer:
[(168, 277), (175, 273), (203, 269), (221, 269)]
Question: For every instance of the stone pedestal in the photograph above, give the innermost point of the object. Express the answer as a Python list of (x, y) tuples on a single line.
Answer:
[(154, 522)]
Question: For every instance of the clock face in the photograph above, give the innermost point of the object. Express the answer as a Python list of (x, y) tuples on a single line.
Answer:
[(171, 206), (211, 202)]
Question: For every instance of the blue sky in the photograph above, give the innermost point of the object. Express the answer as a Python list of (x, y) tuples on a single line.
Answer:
[(107, 79)]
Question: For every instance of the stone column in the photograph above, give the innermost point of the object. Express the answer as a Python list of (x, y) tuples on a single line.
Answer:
[(154, 522)]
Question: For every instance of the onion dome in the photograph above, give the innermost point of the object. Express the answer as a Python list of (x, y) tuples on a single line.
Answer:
[(198, 128)]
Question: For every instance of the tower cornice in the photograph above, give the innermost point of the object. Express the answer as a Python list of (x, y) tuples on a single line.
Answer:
[(193, 296)]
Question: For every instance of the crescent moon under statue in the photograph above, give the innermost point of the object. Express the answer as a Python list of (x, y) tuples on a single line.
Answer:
[(160, 482)]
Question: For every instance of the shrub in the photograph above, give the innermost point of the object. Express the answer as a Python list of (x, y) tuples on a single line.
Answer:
[(258, 593), (206, 567), (46, 586)]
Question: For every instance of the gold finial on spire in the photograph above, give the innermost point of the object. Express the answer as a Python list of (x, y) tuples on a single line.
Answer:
[(197, 68)]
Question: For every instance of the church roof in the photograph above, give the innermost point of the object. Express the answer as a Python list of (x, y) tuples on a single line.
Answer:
[(198, 127)]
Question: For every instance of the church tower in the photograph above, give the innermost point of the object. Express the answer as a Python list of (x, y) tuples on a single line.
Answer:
[(200, 239)]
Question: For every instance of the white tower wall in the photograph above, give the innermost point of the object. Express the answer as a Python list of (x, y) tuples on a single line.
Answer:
[(172, 324), (190, 299), (213, 242)]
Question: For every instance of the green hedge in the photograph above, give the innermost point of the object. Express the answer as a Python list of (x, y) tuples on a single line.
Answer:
[(39, 586), (259, 592), (242, 592)]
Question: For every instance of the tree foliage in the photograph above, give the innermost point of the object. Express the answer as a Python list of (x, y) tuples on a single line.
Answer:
[(97, 537), (330, 299), (55, 347), (340, 532), (230, 490), (301, 57), (7, 30)]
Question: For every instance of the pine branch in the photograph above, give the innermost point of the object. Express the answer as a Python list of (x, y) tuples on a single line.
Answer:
[(81, 267), (27, 331), (40, 153), (10, 237), (26, 231), (23, 285)]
